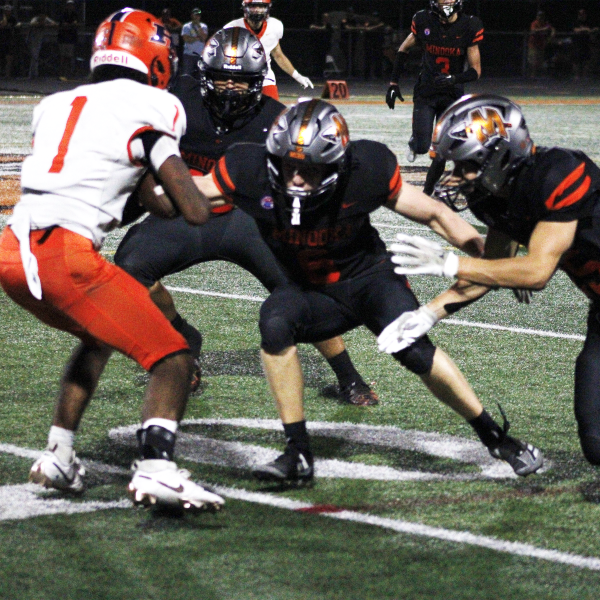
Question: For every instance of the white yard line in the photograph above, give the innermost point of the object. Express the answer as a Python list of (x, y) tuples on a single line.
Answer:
[(27, 501), (538, 332)]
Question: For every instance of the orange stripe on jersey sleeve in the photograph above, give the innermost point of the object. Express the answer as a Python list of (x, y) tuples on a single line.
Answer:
[(568, 181), (395, 183), (413, 28), (221, 177), (477, 39)]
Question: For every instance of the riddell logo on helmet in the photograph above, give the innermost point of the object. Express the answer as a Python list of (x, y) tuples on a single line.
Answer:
[(489, 127), (111, 59), (227, 67)]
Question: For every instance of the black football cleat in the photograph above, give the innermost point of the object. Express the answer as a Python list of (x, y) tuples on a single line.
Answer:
[(524, 458), (358, 393), (291, 466)]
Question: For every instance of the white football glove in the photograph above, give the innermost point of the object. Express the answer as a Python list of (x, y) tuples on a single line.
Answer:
[(418, 256), (303, 81), (406, 329)]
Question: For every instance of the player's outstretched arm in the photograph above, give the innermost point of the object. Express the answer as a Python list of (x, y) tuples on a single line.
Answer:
[(548, 242), (412, 203), (286, 65), (181, 189)]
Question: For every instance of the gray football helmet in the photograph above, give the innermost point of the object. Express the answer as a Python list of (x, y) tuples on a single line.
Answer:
[(490, 133), (446, 11), (309, 132), (233, 53)]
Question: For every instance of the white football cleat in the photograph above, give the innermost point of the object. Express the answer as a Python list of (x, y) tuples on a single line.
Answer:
[(60, 469), (158, 482), (410, 155)]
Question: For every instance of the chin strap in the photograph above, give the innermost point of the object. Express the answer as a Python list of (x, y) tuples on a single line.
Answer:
[(296, 211)]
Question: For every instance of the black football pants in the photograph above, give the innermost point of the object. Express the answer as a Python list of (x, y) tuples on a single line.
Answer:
[(587, 389), (292, 315), (158, 247)]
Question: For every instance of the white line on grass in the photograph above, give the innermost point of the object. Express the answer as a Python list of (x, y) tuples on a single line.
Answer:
[(460, 537), (538, 332), (26, 501)]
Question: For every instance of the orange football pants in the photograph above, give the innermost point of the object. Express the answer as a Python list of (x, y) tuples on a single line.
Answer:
[(85, 295)]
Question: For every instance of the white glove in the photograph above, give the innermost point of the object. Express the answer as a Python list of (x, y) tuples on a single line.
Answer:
[(418, 256), (406, 329), (303, 81)]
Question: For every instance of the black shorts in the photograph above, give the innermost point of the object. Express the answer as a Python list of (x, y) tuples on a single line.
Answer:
[(158, 247), (293, 315)]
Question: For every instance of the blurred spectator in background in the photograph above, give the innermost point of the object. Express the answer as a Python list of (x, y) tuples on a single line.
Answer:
[(325, 45), (194, 35), (173, 26), (8, 39), (374, 29), (38, 28), (67, 40), (541, 34), (582, 44)]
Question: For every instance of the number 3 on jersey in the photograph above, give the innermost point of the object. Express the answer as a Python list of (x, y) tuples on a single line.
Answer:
[(59, 160), (443, 60)]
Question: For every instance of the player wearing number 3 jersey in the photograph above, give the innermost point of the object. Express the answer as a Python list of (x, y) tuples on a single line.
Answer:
[(91, 147), (450, 43)]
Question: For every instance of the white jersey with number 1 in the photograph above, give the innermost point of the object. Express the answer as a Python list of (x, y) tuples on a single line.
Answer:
[(87, 157), (269, 35)]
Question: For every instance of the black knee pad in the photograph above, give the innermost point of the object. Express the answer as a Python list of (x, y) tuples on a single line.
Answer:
[(417, 358), (276, 333)]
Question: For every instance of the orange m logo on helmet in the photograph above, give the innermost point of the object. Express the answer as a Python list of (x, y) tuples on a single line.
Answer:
[(489, 127), (342, 128)]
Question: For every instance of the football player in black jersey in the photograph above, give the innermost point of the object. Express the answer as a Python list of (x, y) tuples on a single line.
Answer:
[(223, 107), (311, 192), (547, 199), (450, 42)]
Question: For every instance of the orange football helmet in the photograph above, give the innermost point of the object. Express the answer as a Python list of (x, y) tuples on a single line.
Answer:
[(137, 40)]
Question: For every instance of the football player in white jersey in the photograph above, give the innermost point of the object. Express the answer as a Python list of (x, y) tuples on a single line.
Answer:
[(93, 145), (269, 31)]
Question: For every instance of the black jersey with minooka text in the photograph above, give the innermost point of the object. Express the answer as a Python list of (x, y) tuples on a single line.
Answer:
[(444, 48), (556, 185), (332, 243), (206, 139)]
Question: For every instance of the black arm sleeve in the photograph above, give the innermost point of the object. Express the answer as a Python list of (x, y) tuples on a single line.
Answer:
[(399, 63)]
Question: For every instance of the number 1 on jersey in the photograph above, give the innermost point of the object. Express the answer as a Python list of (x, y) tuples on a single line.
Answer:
[(59, 160)]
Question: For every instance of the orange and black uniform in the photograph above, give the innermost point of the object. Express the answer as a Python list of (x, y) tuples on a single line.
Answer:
[(444, 48), (562, 185), (339, 269), (158, 247)]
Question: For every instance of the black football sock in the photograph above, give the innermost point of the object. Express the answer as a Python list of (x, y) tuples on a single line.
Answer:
[(344, 370), (296, 436), (435, 171), (487, 429), (192, 336)]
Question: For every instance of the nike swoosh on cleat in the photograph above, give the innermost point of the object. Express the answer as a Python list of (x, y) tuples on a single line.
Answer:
[(178, 489)]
